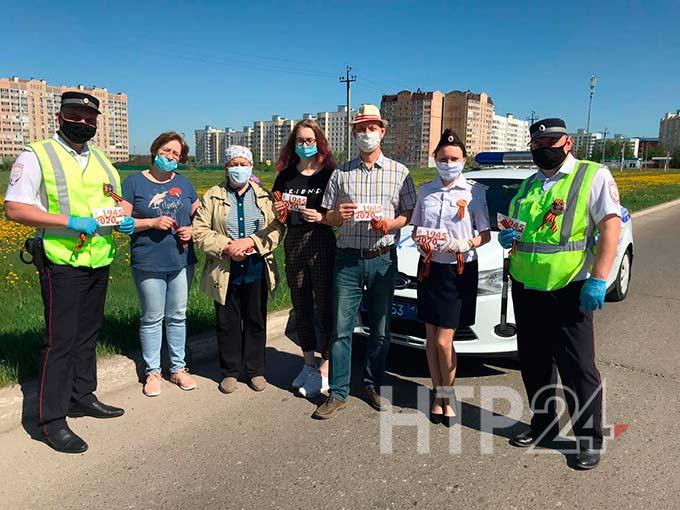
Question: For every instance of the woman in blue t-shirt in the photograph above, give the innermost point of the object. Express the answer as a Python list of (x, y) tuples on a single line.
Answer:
[(162, 202)]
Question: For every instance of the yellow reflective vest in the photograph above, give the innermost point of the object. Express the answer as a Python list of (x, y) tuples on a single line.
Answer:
[(72, 191), (552, 250)]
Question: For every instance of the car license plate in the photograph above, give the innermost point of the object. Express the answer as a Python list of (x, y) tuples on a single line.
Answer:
[(405, 310)]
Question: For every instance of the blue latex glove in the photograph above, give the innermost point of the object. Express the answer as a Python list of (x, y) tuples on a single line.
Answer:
[(128, 226), (592, 294), (85, 225), (508, 236)]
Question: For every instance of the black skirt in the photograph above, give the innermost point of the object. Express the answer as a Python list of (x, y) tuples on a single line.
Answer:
[(447, 299)]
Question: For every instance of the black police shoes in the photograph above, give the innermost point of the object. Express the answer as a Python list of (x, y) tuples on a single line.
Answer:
[(587, 459), (65, 441), (529, 437), (95, 409)]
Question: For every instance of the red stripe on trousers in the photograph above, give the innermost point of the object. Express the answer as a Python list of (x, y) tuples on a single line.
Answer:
[(49, 347)]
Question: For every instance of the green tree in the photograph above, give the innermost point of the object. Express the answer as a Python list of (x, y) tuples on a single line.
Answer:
[(340, 156), (5, 165), (581, 153)]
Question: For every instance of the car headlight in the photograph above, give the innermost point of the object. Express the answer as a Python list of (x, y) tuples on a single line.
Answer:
[(490, 282)]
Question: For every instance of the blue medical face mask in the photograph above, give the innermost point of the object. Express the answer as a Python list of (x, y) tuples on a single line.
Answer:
[(306, 152), (164, 164), (239, 175)]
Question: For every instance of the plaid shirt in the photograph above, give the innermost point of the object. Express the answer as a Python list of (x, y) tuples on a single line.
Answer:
[(388, 183)]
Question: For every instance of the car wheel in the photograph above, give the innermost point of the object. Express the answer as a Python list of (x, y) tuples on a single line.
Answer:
[(619, 290)]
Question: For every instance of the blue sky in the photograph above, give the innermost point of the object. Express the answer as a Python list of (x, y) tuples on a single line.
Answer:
[(227, 63)]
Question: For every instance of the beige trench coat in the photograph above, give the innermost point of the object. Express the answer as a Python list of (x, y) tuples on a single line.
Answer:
[(209, 230)]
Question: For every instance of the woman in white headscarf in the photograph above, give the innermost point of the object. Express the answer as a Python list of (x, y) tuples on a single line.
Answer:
[(236, 227)]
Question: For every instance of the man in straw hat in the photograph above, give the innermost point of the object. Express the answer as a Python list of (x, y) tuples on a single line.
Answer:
[(369, 198)]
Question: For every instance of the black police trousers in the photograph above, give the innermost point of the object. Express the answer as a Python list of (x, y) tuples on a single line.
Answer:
[(553, 335), (73, 298)]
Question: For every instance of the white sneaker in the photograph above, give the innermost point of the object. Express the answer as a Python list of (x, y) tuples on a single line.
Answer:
[(324, 385), (301, 379), (312, 386)]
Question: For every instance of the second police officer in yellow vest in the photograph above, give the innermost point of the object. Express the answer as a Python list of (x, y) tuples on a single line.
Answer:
[(559, 275), (55, 185)]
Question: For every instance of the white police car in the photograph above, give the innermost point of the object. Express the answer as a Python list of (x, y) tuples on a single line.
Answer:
[(481, 339)]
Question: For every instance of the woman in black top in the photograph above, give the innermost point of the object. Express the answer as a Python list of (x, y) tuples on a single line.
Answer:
[(305, 165)]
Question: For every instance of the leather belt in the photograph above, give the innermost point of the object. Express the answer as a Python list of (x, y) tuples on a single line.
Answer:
[(369, 254)]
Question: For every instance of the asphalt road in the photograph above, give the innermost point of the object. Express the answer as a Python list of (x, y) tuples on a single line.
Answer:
[(203, 449)]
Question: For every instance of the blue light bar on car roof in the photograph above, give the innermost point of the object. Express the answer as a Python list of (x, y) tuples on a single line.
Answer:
[(504, 158)]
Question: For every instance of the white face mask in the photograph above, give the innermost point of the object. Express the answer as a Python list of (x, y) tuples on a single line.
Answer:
[(449, 171), (369, 141)]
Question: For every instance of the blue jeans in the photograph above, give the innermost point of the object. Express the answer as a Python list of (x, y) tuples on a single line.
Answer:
[(163, 295), (351, 275)]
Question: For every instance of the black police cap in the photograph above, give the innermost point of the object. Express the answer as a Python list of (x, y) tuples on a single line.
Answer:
[(74, 98), (553, 128), (449, 137)]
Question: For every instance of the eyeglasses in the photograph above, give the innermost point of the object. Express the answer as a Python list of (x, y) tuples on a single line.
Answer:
[(305, 141), (76, 117)]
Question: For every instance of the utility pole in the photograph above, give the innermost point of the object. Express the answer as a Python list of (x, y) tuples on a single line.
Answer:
[(531, 119), (623, 152), (347, 79), (593, 83), (604, 145)]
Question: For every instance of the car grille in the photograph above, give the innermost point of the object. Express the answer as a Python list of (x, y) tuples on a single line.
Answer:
[(417, 329)]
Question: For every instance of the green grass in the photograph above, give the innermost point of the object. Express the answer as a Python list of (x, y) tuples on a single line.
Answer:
[(22, 324)]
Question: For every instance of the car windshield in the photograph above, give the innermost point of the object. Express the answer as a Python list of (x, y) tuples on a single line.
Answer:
[(499, 195)]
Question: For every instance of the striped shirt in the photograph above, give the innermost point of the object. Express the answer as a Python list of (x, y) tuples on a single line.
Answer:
[(388, 184), (244, 219)]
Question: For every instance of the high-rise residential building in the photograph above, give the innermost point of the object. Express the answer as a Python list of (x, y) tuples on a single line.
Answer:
[(28, 112), (244, 138), (269, 136), (334, 126), (470, 115), (669, 132), (415, 126), (509, 133), (209, 146), (584, 142)]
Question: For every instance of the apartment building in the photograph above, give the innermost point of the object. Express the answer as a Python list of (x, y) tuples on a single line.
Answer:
[(470, 115), (585, 142), (509, 134), (669, 132), (269, 136), (415, 126), (334, 127), (28, 112), (210, 144)]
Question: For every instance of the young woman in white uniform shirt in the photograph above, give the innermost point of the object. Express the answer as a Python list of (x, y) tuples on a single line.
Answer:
[(447, 288)]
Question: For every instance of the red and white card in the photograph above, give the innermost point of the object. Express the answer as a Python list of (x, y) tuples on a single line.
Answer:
[(108, 216), (367, 212), (437, 237), (508, 222), (295, 202)]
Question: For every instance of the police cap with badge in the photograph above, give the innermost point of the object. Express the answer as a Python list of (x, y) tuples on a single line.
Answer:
[(75, 98), (548, 128), (449, 137)]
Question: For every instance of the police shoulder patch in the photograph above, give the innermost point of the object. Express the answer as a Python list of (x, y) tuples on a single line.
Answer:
[(16, 173)]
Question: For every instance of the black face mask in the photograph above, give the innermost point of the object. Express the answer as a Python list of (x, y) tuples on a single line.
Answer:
[(549, 158), (77, 131)]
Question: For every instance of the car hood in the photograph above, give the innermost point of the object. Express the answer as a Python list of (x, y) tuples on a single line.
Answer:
[(490, 256)]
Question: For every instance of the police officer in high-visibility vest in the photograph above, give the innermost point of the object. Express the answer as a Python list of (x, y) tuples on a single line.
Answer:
[(55, 185), (559, 275)]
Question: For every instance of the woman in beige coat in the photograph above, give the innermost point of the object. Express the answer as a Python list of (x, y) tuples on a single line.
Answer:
[(236, 227)]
